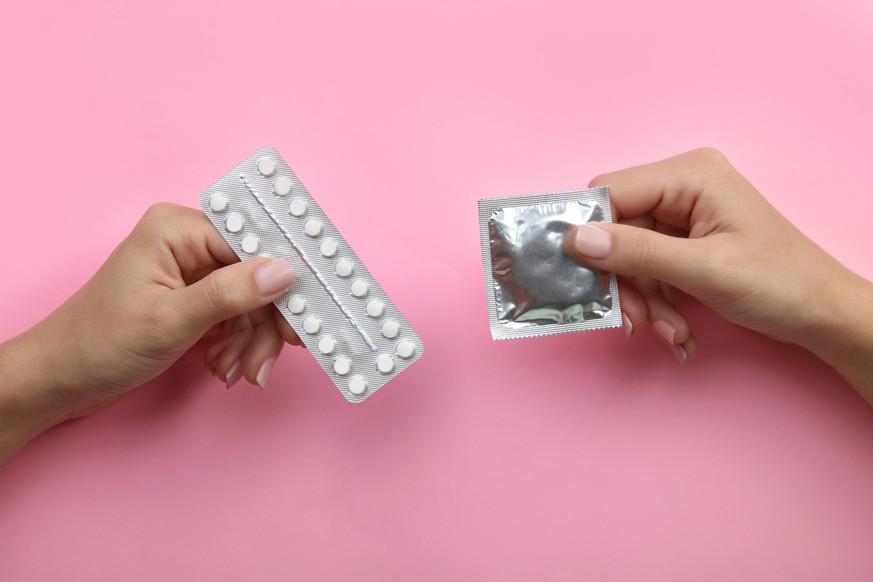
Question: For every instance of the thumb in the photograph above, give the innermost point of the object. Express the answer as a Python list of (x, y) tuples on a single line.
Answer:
[(635, 252), (231, 291)]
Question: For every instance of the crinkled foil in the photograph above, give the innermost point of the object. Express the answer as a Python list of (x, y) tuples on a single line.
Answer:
[(533, 287)]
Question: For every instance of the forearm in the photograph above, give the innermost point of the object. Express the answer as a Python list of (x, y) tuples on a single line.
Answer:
[(845, 335), (27, 402)]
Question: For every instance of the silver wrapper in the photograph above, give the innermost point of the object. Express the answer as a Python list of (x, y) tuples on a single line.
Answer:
[(534, 288)]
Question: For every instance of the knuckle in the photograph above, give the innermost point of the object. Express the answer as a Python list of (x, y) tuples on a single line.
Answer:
[(159, 211), (711, 156), (642, 250), (159, 214), (221, 297), (598, 180)]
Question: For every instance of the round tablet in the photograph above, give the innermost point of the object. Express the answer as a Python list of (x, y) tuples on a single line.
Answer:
[(375, 308), (326, 345), (344, 267), (312, 325), (234, 223), (312, 227), (406, 349), (342, 365), (218, 202), (297, 207), (328, 247), (385, 364), (357, 385), (282, 186), (360, 288), (390, 329), (250, 244), (266, 167), (296, 304)]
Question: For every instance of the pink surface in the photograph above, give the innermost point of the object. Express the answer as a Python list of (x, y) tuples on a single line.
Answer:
[(585, 456)]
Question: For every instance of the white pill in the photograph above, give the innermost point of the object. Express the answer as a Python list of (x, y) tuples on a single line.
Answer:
[(342, 365), (312, 227), (326, 345), (357, 385), (405, 349), (390, 329), (328, 247), (282, 186), (250, 244), (375, 308), (296, 304), (218, 202), (297, 207), (360, 288), (344, 267), (266, 167), (385, 364), (234, 223), (312, 325)]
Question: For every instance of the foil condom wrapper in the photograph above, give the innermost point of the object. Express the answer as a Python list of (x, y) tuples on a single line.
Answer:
[(533, 287)]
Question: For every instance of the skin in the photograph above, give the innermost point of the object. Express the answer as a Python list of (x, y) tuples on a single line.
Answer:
[(173, 282), (691, 222)]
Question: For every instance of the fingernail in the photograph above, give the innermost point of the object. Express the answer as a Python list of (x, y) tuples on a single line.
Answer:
[(626, 323), (274, 277), (264, 372), (592, 242), (233, 374), (680, 353), (665, 330)]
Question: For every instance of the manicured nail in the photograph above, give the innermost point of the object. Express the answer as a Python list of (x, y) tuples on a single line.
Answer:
[(264, 372), (665, 330), (233, 374), (592, 242), (274, 277), (680, 353), (627, 324)]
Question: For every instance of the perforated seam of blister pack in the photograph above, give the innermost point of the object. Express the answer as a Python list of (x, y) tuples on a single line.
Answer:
[(341, 313), (487, 208)]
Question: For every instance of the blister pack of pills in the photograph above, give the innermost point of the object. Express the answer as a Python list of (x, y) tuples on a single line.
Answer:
[(339, 310), (533, 287)]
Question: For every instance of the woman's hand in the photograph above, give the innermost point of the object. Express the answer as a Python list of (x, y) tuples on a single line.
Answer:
[(694, 223), (173, 281)]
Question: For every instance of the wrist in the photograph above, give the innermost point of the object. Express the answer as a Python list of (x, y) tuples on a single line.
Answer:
[(28, 397), (844, 336)]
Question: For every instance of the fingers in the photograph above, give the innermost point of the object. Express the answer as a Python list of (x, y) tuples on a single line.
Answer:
[(668, 190), (285, 330), (636, 252), (227, 355), (263, 349), (256, 339), (647, 301), (668, 323), (228, 292), (634, 312)]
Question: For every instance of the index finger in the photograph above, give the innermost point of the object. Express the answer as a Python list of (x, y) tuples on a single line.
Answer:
[(668, 190)]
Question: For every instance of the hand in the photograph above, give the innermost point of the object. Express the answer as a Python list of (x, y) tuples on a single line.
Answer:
[(163, 289), (694, 223)]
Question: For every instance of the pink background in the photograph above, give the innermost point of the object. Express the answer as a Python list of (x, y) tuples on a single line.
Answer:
[(584, 456)]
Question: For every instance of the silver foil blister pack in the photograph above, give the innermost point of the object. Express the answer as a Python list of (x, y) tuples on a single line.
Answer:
[(533, 287), (339, 310)]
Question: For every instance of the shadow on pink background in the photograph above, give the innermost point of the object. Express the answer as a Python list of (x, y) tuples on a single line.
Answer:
[(584, 456)]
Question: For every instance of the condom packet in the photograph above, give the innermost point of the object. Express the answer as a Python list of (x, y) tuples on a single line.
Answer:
[(533, 287), (339, 310)]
